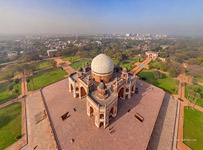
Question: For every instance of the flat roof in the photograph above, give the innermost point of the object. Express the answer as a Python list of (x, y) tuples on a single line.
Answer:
[(52, 50), (128, 132)]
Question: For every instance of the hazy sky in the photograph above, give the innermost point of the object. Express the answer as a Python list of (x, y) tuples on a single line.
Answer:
[(180, 17)]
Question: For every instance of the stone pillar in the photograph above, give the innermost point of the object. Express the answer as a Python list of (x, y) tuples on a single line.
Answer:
[(106, 121), (69, 84), (79, 92), (88, 108), (74, 91), (130, 88)]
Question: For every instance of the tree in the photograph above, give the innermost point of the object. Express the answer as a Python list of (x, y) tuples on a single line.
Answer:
[(28, 81), (195, 88), (10, 87), (177, 83), (196, 97), (194, 81), (16, 81), (172, 73), (53, 63), (157, 75), (8, 76)]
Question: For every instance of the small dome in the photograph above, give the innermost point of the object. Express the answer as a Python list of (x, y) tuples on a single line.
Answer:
[(125, 70), (80, 69), (102, 64), (102, 86)]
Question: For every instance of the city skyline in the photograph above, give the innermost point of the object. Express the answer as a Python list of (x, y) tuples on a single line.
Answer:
[(182, 17)]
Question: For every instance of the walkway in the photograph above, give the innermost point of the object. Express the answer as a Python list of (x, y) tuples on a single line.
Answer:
[(185, 102), (138, 68), (65, 65), (40, 134)]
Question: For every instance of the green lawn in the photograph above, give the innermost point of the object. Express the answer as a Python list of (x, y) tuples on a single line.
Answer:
[(200, 91), (193, 128), (44, 64), (5, 94), (200, 79), (166, 83), (44, 78), (154, 64), (115, 62), (68, 57), (80, 63), (127, 65), (136, 59), (10, 125)]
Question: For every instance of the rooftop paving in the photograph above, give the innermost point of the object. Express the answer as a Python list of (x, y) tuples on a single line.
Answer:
[(124, 132)]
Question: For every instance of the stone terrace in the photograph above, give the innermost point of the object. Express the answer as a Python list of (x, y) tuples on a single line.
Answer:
[(164, 134), (127, 132)]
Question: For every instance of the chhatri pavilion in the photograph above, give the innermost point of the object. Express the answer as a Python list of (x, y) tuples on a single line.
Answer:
[(102, 84)]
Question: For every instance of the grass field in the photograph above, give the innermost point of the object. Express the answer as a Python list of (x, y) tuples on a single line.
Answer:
[(5, 94), (127, 65), (43, 65), (10, 125), (115, 62), (136, 59), (200, 79), (44, 78), (200, 91), (79, 63), (193, 128), (154, 64), (166, 83), (68, 57)]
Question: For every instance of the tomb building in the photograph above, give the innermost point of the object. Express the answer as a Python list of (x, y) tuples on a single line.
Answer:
[(101, 84)]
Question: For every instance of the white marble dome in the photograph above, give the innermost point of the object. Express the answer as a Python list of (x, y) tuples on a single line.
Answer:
[(102, 65)]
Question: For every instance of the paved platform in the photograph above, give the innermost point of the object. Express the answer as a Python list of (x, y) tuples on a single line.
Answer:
[(40, 135), (165, 131), (128, 132)]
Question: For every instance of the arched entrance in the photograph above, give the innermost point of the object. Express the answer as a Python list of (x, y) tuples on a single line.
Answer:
[(121, 93), (71, 87), (83, 92), (101, 124), (91, 111), (112, 110), (132, 89)]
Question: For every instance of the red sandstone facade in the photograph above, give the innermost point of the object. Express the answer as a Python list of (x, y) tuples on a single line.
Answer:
[(102, 90)]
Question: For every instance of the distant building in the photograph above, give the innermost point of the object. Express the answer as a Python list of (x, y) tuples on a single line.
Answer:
[(164, 46), (127, 34), (152, 55), (52, 52), (13, 53)]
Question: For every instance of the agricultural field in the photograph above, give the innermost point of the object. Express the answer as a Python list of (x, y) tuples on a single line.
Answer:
[(10, 125), (193, 128), (44, 78)]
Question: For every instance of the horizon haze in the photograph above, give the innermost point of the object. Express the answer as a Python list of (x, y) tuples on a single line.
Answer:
[(173, 17)]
